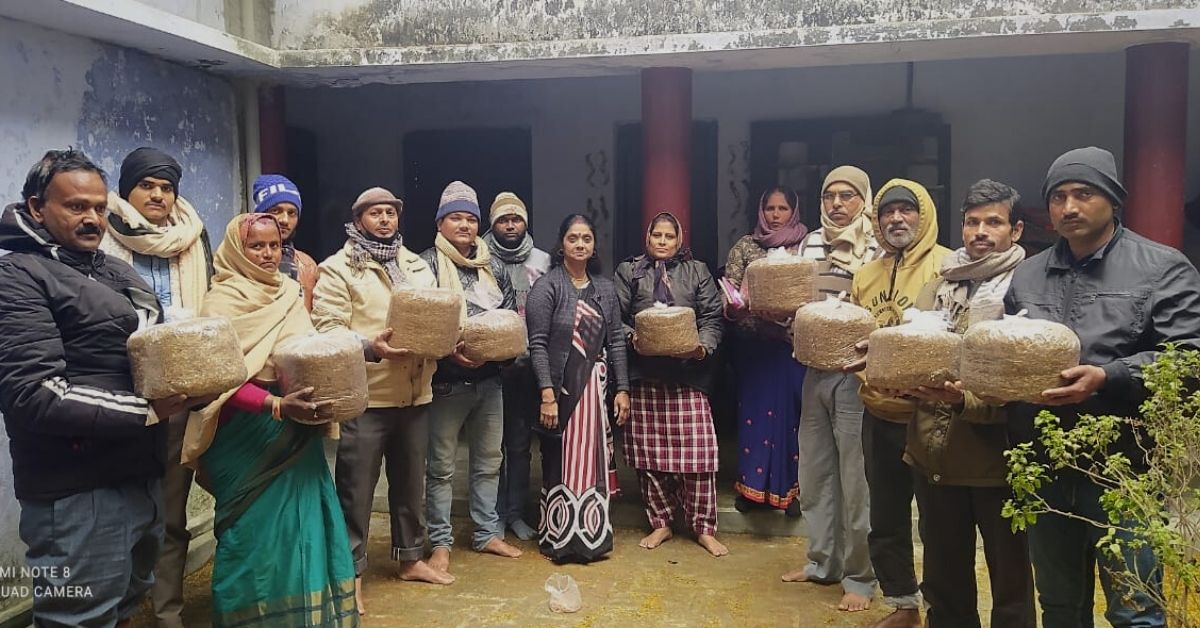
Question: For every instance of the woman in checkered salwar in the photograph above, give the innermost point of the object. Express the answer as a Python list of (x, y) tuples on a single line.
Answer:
[(577, 349), (670, 438)]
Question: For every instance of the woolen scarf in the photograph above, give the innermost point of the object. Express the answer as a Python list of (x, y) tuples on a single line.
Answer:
[(513, 257), (179, 241), (487, 289), (848, 245), (364, 248), (959, 272)]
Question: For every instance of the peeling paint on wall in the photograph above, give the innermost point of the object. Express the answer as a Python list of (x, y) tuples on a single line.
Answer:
[(135, 100)]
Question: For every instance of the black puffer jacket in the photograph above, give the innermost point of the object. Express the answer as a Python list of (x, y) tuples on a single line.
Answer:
[(691, 286), (1124, 302), (65, 386)]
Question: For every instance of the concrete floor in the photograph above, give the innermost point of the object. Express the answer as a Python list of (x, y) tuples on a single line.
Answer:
[(678, 584)]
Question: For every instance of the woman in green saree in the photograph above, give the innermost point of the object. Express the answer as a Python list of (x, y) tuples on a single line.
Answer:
[(283, 555)]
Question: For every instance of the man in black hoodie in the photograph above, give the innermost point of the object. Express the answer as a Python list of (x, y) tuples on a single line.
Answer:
[(1125, 296), (87, 453)]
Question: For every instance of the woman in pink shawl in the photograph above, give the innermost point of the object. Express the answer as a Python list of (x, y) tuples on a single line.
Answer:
[(769, 379)]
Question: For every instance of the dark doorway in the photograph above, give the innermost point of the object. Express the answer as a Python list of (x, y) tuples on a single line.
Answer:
[(489, 160), (302, 152), (628, 230), (908, 143)]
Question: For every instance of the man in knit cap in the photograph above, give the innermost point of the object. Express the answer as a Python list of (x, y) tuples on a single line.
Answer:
[(153, 229), (833, 480), (275, 194), (524, 263), (464, 391), (1124, 296)]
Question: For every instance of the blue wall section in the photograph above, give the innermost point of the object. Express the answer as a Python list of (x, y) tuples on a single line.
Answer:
[(135, 100)]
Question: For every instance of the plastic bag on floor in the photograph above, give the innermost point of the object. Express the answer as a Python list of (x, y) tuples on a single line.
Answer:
[(564, 593)]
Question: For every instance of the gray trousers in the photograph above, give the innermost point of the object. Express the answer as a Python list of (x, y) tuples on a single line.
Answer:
[(93, 553), (398, 436), (167, 593), (833, 482)]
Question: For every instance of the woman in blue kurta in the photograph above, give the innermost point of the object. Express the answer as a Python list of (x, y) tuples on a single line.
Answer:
[(769, 380)]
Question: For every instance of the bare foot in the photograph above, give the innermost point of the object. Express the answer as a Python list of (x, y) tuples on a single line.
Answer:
[(358, 596), (714, 547), (853, 602), (440, 559), (901, 618), (798, 575), (656, 538), (420, 571), (498, 547)]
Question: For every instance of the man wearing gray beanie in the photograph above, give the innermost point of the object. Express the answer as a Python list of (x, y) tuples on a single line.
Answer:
[(465, 392), (1124, 296)]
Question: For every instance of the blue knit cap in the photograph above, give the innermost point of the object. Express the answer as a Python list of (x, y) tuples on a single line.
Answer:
[(273, 189), (457, 197)]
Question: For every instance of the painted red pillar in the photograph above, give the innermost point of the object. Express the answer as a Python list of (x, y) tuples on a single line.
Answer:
[(1156, 88), (272, 130), (667, 144)]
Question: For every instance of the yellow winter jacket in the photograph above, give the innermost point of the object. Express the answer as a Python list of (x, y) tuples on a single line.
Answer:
[(358, 300), (891, 284)]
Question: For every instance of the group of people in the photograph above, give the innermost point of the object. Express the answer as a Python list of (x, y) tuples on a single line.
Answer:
[(103, 476)]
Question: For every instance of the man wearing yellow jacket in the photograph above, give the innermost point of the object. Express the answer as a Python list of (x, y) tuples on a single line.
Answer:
[(906, 228)]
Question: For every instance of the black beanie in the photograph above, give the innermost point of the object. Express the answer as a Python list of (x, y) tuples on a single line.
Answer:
[(897, 193), (147, 162), (1093, 166)]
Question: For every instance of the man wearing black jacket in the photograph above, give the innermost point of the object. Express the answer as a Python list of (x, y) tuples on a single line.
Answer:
[(86, 466), (1125, 296)]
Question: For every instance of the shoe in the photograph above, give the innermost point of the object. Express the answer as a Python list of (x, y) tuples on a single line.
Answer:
[(793, 509), (742, 504)]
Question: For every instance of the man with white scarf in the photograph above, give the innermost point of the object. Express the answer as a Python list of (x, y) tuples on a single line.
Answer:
[(160, 234), (956, 441), (509, 240)]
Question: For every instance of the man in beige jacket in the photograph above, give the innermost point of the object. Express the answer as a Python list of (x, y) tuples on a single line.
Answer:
[(353, 292)]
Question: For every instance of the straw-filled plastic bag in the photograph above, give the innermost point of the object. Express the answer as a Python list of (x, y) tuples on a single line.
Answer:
[(197, 357), (1016, 358), (332, 364), (425, 321), (778, 284), (564, 593), (665, 330), (920, 352), (824, 333), (494, 336)]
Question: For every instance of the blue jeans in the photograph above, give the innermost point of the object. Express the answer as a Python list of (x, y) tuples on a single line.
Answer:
[(1065, 557), (93, 552), (480, 406)]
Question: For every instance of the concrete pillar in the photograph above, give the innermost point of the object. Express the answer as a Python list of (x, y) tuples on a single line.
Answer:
[(667, 144), (1156, 89), (272, 129)]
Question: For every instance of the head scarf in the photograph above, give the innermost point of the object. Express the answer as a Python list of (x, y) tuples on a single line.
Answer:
[(644, 263), (147, 162), (181, 240), (848, 245), (265, 308), (790, 234)]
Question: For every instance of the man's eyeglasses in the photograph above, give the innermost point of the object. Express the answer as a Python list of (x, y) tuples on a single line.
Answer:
[(844, 196)]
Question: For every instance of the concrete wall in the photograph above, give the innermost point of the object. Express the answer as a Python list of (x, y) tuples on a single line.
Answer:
[(1009, 119), (107, 101)]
